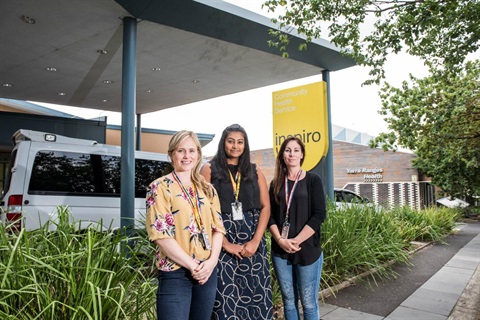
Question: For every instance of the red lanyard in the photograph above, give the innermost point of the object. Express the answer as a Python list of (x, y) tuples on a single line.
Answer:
[(289, 196), (193, 202)]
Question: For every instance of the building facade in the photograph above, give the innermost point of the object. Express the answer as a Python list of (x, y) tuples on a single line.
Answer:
[(386, 178)]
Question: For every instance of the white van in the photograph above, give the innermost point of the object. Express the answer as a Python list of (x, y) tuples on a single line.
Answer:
[(48, 170)]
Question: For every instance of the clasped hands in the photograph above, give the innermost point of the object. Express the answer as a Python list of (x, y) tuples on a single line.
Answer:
[(202, 271), (241, 251), (289, 245)]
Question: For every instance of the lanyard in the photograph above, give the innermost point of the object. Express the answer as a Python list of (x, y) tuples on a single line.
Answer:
[(193, 202), (235, 184), (289, 196)]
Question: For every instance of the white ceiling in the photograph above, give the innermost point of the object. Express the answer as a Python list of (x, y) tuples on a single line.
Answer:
[(204, 49)]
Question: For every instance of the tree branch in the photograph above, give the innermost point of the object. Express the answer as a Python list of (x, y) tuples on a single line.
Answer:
[(396, 5)]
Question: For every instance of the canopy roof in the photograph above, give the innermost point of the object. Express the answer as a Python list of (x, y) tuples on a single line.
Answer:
[(69, 52)]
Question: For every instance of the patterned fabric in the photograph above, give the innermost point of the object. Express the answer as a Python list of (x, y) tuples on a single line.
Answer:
[(170, 215), (244, 289)]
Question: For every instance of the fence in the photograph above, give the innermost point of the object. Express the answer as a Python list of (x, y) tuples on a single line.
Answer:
[(416, 195)]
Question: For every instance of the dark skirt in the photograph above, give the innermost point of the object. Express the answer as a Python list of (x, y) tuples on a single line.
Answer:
[(244, 289)]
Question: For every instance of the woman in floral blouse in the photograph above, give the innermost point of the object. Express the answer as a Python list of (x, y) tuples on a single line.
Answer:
[(184, 221)]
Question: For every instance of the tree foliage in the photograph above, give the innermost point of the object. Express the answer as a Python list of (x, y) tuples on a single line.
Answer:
[(438, 118), (440, 32)]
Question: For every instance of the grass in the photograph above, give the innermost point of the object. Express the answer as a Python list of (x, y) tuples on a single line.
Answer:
[(358, 239), (66, 274), (95, 274)]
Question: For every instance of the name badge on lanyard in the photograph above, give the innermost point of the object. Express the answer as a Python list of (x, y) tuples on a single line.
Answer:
[(237, 211)]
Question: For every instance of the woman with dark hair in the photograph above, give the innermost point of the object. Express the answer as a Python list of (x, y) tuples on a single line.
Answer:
[(298, 211), (244, 284)]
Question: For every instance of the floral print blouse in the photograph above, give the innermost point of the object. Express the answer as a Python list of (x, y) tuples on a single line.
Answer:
[(170, 215)]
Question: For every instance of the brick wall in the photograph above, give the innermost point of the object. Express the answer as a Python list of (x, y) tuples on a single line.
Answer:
[(396, 166), (265, 160)]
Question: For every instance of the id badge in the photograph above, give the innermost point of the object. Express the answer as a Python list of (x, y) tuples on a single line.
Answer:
[(204, 240), (237, 211), (285, 228)]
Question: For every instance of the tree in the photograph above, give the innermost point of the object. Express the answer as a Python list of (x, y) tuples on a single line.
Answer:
[(438, 118), (440, 32)]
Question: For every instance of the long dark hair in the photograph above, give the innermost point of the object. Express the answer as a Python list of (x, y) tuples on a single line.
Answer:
[(220, 158), (280, 166)]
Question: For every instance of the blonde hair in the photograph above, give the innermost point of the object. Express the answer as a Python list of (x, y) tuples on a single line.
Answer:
[(197, 179)]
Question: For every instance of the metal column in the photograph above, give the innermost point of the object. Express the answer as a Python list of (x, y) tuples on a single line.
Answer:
[(127, 182), (138, 136), (329, 184)]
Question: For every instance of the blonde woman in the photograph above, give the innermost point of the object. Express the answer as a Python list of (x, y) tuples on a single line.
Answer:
[(185, 223)]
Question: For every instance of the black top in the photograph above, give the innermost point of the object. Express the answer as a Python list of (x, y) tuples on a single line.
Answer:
[(308, 207), (249, 191)]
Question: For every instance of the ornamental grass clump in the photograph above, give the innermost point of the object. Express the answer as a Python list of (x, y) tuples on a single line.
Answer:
[(69, 273), (358, 239), (430, 224)]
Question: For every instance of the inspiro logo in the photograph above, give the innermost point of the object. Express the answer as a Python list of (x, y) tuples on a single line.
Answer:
[(302, 112), (306, 137)]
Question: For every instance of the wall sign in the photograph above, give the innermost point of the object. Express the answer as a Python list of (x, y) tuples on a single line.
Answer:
[(369, 174)]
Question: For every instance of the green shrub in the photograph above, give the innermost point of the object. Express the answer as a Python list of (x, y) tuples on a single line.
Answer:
[(94, 274), (360, 238), (431, 224), (66, 274)]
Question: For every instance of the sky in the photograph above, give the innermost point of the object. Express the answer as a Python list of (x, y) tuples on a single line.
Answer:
[(353, 106)]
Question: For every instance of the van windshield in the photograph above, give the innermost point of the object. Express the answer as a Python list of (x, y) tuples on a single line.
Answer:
[(83, 174)]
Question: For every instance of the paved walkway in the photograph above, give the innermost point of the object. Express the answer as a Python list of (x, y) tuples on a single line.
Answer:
[(453, 293)]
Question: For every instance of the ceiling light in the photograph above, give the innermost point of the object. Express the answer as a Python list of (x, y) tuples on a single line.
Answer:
[(102, 51), (27, 19), (196, 81), (62, 94), (148, 91), (105, 100), (156, 69), (6, 85), (107, 81), (51, 69)]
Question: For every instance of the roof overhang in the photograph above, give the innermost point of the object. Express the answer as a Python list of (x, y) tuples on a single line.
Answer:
[(187, 51)]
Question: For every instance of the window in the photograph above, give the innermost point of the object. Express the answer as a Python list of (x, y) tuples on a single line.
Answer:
[(8, 174), (80, 174)]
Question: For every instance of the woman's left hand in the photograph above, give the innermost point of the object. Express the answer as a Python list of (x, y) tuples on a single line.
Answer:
[(249, 249), (289, 245), (203, 272)]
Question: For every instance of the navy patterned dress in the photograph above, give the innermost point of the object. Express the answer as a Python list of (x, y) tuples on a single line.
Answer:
[(244, 286)]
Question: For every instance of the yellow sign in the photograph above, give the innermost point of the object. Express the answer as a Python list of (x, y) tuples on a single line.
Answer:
[(302, 112)]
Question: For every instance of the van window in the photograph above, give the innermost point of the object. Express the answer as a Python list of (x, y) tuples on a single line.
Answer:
[(8, 173), (81, 174)]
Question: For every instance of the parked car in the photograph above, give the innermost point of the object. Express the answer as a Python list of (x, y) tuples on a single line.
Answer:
[(348, 198), (48, 170), (452, 202)]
